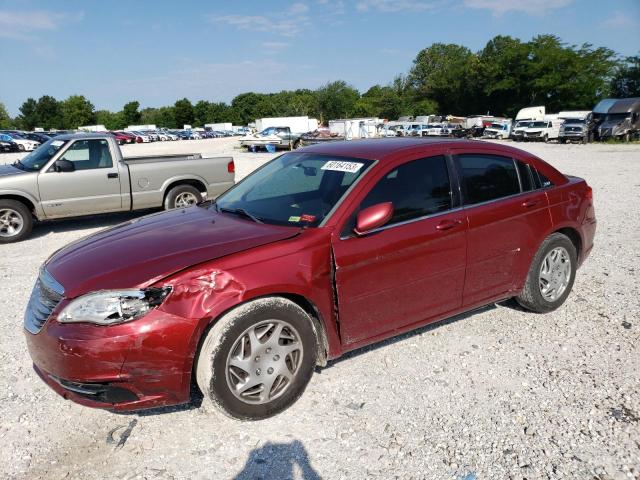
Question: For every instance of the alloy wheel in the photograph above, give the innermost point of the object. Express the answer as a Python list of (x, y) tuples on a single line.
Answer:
[(11, 222), (185, 199)]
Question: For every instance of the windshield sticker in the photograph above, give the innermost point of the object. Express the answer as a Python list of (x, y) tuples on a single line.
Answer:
[(338, 166), (294, 219), (307, 218), (57, 143)]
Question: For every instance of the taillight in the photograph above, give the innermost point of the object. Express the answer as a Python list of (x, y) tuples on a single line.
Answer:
[(231, 167), (589, 193)]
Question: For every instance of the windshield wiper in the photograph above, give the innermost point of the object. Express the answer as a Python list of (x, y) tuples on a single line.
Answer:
[(241, 212), (18, 164)]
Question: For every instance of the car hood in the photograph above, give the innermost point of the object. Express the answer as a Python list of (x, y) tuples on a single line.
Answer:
[(140, 252), (6, 170)]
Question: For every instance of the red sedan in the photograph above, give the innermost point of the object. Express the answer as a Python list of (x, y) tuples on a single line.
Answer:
[(321, 251)]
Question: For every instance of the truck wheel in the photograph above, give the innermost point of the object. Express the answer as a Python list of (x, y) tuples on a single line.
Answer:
[(562, 140), (16, 221), (182, 196), (257, 359), (546, 139), (550, 276)]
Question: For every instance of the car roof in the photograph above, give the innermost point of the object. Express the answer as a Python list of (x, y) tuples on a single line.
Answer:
[(83, 136), (379, 148)]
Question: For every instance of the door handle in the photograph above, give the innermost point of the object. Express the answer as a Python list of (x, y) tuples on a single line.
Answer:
[(112, 175), (448, 224), (530, 203)]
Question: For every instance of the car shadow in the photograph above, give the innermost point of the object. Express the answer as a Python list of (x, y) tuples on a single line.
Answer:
[(275, 461), (101, 221)]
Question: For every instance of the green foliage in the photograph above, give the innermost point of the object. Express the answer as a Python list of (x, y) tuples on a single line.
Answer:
[(130, 113), (111, 120), (48, 113), (162, 117), (77, 111), (28, 118), (626, 80), (183, 112), (336, 100), (5, 119)]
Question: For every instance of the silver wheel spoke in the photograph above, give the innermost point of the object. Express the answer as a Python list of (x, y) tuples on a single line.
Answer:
[(555, 274), (264, 361)]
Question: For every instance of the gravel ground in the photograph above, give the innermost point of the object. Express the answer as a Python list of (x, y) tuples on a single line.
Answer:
[(498, 393)]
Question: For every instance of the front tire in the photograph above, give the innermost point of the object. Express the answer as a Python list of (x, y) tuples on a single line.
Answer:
[(550, 276), (16, 221), (182, 196), (257, 359)]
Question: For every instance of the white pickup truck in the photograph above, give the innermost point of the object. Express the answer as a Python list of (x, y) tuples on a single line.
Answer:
[(85, 174)]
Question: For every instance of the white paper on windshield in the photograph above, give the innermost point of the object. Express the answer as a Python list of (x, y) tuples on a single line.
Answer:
[(340, 166), (57, 143)]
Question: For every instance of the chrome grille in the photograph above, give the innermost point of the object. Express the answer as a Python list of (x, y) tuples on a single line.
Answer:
[(46, 295)]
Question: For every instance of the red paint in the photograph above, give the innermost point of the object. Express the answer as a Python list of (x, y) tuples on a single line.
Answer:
[(388, 281)]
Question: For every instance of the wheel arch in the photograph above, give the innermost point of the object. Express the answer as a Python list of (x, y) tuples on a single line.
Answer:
[(22, 199), (194, 182), (575, 238)]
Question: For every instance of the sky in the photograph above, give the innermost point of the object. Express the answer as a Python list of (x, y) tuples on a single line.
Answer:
[(159, 51)]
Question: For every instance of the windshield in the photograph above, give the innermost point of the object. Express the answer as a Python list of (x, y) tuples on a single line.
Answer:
[(522, 124), (39, 157), (617, 117), (295, 189), (538, 125), (573, 121)]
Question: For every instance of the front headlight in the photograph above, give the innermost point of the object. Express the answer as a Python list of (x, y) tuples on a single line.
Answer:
[(110, 307)]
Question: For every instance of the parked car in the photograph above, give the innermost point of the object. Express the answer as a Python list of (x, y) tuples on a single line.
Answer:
[(543, 130), (622, 120), (24, 144), (36, 137), (517, 133), (278, 137), (321, 251), (123, 138), (7, 144), (141, 137), (85, 174), (576, 130), (498, 130)]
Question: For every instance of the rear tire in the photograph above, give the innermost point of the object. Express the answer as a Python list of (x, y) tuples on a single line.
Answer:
[(16, 221), (550, 276), (250, 370), (182, 196)]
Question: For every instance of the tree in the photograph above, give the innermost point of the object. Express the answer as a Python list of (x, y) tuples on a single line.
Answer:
[(337, 100), (5, 119), (626, 80), (130, 113), (48, 113), (444, 73), (250, 106), (162, 117), (29, 114), (183, 112), (111, 120), (77, 111)]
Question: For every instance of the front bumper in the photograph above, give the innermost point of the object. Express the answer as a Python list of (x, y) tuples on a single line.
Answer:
[(141, 364)]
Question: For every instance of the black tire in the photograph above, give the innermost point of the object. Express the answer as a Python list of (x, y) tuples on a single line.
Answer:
[(531, 297), (21, 147), (175, 192), (25, 214), (562, 140), (546, 139), (211, 363)]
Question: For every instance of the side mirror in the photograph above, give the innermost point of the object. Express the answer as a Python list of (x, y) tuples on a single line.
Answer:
[(64, 166), (373, 217)]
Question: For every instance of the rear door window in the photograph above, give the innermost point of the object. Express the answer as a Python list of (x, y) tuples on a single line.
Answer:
[(526, 179), (487, 177)]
